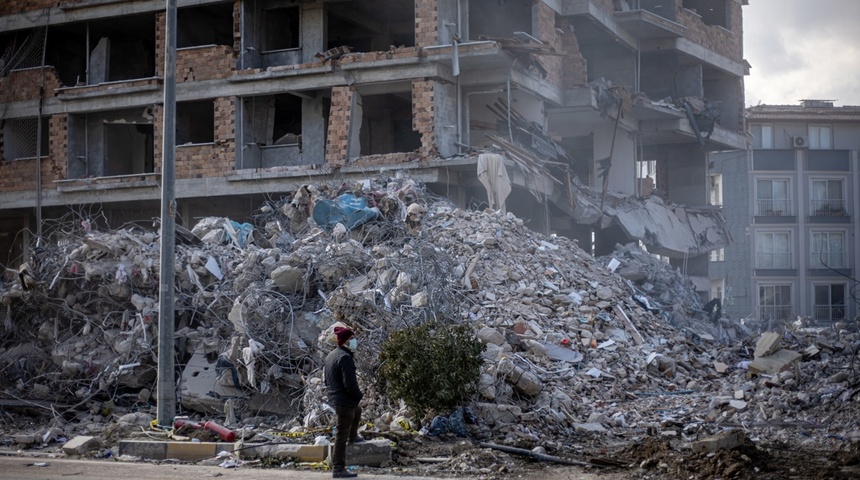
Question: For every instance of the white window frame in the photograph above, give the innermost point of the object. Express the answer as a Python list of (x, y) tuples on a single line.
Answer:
[(829, 312), (774, 255), (830, 206), (780, 311), (834, 259), (715, 189), (820, 137), (776, 207), (718, 255), (766, 140)]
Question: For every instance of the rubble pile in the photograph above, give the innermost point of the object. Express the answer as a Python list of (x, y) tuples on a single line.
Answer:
[(573, 346)]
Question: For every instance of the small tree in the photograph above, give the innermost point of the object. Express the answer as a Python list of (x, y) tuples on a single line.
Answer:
[(431, 366)]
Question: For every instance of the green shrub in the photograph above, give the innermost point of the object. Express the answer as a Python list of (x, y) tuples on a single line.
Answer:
[(431, 366)]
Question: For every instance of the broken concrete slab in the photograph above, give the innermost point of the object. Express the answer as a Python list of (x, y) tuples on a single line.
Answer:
[(370, 453), (773, 364), (768, 343)]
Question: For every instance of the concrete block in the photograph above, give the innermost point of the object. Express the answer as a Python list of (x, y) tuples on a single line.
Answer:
[(769, 343), (302, 453), (725, 440), (25, 439), (80, 445), (143, 449), (190, 451), (372, 453)]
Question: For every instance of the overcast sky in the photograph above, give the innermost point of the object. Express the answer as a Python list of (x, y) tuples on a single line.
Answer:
[(802, 49)]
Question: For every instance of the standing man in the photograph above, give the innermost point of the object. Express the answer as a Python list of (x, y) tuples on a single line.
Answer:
[(344, 395)]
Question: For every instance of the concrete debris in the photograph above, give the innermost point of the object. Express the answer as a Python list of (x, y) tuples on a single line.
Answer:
[(571, 344)]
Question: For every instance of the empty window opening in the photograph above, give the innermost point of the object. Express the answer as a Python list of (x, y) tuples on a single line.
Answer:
[(368, 26), (646, 175), (128, 149), (715, 189), (20, 137), (89, 53), (829, 302), (272, 131), (195, 122), (205, 25), (386, 124), (713, 12), (281, 27), (499, 18)]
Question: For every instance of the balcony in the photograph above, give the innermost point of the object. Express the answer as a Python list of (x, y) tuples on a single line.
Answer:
[(774, 208), (829, 313), (828, 211)]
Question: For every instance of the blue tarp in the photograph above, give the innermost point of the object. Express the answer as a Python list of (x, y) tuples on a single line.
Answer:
[(347, 209)]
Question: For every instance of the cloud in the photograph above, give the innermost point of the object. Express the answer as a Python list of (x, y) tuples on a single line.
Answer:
[(801, 49)]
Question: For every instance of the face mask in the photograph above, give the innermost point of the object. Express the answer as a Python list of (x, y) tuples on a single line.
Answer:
[(352, 344)]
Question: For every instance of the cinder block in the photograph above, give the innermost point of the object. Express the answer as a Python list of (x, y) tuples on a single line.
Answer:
[(80, 445), (190, 451), (302, 453), (143, 449)]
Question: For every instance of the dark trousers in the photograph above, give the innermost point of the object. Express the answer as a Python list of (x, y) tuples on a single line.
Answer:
[(347, 430)]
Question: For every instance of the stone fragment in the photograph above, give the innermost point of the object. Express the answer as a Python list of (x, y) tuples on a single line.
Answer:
[(288, 278), (774, 363), (490, 335), (80, 445), (725, 440), (768, 343)]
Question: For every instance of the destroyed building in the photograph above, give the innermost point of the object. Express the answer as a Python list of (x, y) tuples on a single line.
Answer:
[(605, 112), (794, 197)]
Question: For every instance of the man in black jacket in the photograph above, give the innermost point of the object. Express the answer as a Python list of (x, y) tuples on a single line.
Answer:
[(344, 395)]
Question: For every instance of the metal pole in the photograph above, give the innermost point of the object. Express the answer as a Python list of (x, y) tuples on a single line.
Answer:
[(166, 393)]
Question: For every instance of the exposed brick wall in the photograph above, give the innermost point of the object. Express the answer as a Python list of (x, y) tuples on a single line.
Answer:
[(423, 114), (338, 126), (207, 160), (403, 52), (22, 85), (547, 33), (204, 63), (718, 39), (20, 175), (426, 23), (9, 7), (574, 65)]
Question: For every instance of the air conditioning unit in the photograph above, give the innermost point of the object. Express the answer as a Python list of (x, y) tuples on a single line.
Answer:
[(800, 141)]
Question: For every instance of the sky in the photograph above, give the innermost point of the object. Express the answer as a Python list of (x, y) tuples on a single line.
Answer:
[(802, 49)]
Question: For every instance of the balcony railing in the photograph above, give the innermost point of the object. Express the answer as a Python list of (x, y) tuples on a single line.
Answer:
[(773, 260), (829, 313), (832, 260), (828, 208), (773, 208), (775, 312)]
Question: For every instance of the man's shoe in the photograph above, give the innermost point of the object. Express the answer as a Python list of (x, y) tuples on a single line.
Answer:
[(343, 474)]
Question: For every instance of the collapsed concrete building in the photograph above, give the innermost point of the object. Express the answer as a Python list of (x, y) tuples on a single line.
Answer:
[(591, 104)]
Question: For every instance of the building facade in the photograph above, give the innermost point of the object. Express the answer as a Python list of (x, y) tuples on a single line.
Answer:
[(793, 198), (614, 96)]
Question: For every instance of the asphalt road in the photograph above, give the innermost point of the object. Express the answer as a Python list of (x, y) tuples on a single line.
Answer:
[(27, 468)]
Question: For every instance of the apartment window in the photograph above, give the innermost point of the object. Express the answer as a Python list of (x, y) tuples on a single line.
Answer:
[(718, 287), (772, 197), (19, 138), (820, 137), (715, 190), (762, 135), (828, 250), (281, 28), (827, 198), (713, 12), (829, 302), (718, 255), (195, 122), (773, 250), (774, 302)]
